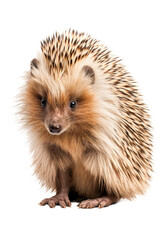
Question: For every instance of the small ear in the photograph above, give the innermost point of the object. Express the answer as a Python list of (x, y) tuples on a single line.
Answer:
[(34, 64), (89, 73)]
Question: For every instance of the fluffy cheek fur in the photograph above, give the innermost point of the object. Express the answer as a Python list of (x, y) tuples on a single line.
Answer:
[(33, 114), (84, 116)]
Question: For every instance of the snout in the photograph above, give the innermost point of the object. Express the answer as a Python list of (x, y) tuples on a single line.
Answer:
[(56, 122), (55, 129)]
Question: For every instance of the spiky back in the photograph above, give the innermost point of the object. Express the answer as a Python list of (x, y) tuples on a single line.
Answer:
[(71, 47)]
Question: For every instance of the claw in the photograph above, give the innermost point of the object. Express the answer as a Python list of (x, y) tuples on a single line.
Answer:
[(59, 199)]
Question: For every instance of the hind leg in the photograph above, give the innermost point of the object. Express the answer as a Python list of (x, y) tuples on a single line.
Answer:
[(100, 202)]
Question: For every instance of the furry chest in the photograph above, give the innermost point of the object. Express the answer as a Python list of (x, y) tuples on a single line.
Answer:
[(70, 148)]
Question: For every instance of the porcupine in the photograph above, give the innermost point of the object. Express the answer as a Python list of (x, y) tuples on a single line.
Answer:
[(88, 127)]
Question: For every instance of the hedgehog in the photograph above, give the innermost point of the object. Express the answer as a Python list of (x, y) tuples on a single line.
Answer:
[(88, 128)]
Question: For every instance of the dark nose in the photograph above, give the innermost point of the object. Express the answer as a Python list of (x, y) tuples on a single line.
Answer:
[(55, 128)]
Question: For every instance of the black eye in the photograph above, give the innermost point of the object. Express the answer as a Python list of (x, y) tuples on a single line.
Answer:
[(73, 104), (43, 102)]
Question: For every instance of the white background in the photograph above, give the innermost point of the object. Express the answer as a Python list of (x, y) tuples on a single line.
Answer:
[(131, 30)]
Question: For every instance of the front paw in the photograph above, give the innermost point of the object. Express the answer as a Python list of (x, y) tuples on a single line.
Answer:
[(59, 199)]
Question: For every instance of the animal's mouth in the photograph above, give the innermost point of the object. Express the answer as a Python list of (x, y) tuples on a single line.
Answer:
[(55, 129)]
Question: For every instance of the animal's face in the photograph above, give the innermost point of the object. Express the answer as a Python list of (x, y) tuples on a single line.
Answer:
[(58, 119), (59, 103)]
